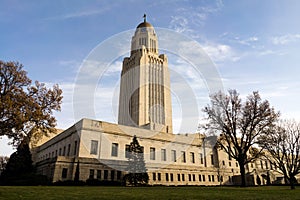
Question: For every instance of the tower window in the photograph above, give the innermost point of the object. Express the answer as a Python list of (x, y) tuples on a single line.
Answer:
[(163, 155), (192, 157), (114, 149), (183, 159), (173, 152), (94, 147), (201, 158), (127, 151), (152, 153)]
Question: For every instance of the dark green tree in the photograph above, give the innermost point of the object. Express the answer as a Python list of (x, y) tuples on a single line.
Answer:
[(19, 166), (137, 172)]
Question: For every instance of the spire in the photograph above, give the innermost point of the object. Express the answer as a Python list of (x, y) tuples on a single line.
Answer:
[(144, 17)]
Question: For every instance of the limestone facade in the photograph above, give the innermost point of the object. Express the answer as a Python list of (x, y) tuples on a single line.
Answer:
[(145, 97), (97, 149)]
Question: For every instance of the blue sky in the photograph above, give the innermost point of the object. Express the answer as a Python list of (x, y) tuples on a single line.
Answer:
[(254, 45)]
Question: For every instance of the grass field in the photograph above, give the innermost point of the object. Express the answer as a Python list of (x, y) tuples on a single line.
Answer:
[(87, 192)]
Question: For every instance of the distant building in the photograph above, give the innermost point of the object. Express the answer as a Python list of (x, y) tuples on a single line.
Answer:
[(98, 149)]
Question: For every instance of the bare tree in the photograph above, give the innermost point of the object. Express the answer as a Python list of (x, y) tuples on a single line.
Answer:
[(240, 125), (284, 147)]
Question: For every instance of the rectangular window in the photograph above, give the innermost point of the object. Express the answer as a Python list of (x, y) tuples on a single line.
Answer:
[(192, 157), (171, 177), (201, 158), (209, 178), (64, 173), (154, 176), (55, 153), (127, 151), (182, 177), (236, 164), (59, 152), (92, 172), (212, 159), (203, 177), (163, 155), (75, 148), (159, 176), (112, 175), (152, 153), (183, 158), (105, 174), (94, 147), (223, 162), (118, 175), (200, 179), (229, 163), (167, 177), (98, 174), (261, 164), (213, 178), (52, 154), (178, 177), (69, 149), (64, 152), (190, 177), (114, 149), (194, 177), (173, 152)]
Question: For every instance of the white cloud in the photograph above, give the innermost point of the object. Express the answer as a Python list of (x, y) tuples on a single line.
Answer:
[(100, 9), (249, 41), (285, 39), (187, 20), (221, 52), (179, 24), (270, 52)]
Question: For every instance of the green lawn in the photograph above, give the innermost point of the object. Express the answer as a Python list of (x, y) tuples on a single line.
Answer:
[(87, 192)]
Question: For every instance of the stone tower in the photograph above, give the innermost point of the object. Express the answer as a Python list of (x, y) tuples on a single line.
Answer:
[(145, 97)]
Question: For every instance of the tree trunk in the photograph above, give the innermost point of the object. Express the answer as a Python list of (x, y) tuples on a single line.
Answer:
[(243, 174), (286, 182), (292, 182)]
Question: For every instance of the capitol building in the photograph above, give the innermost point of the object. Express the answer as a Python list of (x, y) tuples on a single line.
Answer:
[(98, 149)]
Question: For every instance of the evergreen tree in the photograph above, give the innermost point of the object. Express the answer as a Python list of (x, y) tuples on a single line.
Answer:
[(137, 172), (19, 165)]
